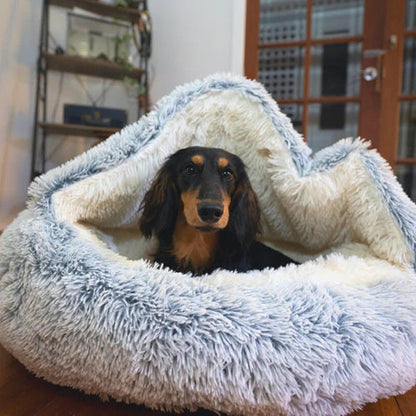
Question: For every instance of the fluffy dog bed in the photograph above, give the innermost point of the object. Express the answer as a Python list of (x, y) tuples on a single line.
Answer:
[(82, 306)]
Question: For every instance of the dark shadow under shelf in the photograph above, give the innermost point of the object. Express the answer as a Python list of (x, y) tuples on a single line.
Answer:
[(94, 6), (89, 66), (78, 130)]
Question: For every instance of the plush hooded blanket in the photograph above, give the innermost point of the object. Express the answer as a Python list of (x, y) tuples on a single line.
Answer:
[(82, 305)]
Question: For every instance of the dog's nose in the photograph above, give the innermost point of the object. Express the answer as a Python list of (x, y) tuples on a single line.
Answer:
[(210, 212)]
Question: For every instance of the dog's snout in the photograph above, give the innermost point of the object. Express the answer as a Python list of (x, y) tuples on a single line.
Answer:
[(210, 212)]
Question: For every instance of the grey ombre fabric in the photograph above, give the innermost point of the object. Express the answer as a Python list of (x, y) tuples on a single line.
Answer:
[(82, 306)]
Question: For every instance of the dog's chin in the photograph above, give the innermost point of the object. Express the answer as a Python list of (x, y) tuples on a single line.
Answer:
[(207, 228)]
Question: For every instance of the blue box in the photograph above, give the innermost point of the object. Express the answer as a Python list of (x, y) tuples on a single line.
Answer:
[(94, 116)]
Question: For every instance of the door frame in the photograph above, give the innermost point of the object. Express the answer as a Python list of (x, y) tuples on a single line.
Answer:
[(384, 22)]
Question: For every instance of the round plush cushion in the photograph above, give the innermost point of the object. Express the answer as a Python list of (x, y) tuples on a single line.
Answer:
[(320, 338)]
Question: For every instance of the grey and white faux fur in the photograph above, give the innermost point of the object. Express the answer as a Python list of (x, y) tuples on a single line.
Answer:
[(80, 304)]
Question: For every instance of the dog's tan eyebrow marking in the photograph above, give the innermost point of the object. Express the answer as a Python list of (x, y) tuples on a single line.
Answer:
[(223, 162), (197, 159)]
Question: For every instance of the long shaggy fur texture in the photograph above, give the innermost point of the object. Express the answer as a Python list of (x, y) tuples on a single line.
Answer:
[(321, 338)]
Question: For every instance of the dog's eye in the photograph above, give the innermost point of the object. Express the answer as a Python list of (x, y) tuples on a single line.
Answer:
[(227, 174), (190, 170)]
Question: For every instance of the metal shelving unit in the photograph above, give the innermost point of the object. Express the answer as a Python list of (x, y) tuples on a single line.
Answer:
[(82, 66)]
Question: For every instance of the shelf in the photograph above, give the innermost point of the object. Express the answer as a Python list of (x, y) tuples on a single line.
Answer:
[(73, 64), (89, 66), (117, 12), (78, 130)]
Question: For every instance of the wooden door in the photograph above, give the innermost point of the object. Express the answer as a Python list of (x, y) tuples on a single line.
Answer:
[(341, 68)]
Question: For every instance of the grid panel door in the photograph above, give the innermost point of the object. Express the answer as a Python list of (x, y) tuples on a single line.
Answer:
[(341, 68), (309, 59)]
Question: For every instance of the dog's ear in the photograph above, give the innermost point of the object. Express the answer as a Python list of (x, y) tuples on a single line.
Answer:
[(245, 213), (159, 206)]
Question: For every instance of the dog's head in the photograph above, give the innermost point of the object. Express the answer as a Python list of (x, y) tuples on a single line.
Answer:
[(212, 189)]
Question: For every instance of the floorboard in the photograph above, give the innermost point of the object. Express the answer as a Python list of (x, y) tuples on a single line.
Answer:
[(384, 407), (22, 394), (407, 403)]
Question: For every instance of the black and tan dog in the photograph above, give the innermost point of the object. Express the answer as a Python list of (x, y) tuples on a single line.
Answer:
[(205, 214)]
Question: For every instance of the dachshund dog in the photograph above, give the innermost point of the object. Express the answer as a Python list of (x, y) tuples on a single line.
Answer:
[(205, 214)]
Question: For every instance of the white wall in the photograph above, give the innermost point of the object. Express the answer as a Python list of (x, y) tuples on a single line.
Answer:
[(192, 38), (18, 38), (195, 38)]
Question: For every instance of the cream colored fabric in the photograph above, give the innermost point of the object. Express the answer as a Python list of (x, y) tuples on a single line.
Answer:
[(334, 210)]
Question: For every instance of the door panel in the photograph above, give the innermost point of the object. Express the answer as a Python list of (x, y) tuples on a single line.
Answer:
[(335, 70), (407, 130), (282, 21), (295, 113), (281, 71), (332, 18), (410, 15), (327, 123), (409, 67), (406, 174)]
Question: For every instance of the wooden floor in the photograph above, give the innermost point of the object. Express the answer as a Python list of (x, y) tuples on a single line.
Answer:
[(22, 394)]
